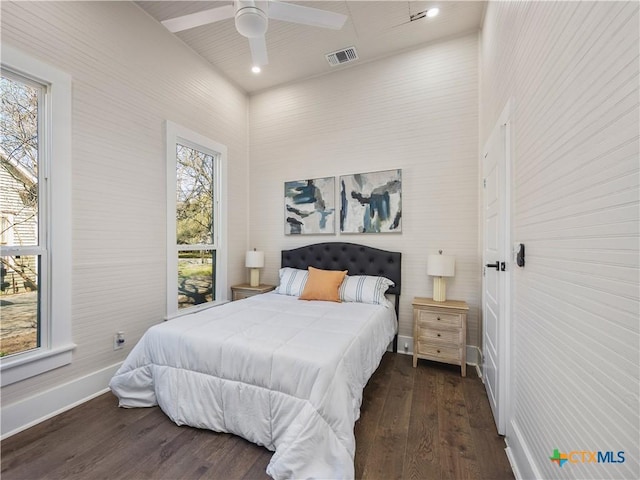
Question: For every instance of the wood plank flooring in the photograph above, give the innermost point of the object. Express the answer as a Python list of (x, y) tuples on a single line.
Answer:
[(422, 423)]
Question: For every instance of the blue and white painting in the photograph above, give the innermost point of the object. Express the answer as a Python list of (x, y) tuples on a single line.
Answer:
[(309, 206), (371, 202)]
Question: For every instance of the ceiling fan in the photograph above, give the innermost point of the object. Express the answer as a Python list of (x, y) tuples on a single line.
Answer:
[(251, 19)]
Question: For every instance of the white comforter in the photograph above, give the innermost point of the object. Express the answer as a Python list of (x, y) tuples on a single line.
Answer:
[(281, 372)]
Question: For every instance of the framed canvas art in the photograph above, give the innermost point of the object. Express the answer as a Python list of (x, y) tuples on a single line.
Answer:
[(371, 202), (309, 206)]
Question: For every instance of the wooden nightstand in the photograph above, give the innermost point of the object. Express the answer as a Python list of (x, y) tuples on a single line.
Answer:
[(440, 331), (244, 290)]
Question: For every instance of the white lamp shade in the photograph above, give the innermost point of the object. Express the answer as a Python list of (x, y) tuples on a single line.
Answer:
[(441, 265), (254, 259)]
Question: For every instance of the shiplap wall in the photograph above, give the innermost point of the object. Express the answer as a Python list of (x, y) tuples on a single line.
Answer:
[(571, 71), (129, 74), (417, 111)]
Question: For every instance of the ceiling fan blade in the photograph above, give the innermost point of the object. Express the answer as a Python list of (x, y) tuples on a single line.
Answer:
[(290, 12), (258, 47), (204, 17)]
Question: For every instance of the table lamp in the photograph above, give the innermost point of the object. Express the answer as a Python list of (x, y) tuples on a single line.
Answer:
[(255, 261), (440, 266)]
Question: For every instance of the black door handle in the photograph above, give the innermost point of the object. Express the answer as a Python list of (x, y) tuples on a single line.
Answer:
[(494, 265)]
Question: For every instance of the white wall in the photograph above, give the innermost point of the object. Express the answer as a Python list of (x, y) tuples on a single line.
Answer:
[(571, 70), (417, 111), (129, 75)]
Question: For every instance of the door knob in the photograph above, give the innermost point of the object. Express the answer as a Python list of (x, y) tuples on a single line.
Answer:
[(494, 265)]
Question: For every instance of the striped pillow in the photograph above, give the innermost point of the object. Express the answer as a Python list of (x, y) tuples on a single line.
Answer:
[(365, 289), (292, 281)]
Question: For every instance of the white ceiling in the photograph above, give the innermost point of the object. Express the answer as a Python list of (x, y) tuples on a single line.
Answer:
[(375, 28)]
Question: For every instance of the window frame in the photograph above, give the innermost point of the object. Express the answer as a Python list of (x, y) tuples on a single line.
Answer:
[(177, 134), (54, 171)]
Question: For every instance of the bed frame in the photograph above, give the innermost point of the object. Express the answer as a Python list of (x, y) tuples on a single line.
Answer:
[(356, 259)]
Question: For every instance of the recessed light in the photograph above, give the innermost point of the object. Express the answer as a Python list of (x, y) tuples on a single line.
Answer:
[(256, 69), (432, 12)]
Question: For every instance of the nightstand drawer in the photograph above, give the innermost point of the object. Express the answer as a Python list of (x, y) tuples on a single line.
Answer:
[(426, 333), (241, 295), (436, 319), (239, 292), (439, 352)]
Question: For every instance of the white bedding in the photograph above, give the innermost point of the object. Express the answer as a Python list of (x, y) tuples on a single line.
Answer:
[(281, 372)]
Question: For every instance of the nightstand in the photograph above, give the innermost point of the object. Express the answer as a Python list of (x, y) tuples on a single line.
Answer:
[(440, 331), (244, 290)]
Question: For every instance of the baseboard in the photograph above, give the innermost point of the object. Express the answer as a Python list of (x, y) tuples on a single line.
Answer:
[(519, 455), (29, 412), (473, 357), (513, 464)]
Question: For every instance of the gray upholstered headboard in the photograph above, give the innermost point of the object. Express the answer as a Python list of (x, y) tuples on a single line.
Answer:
[(356, 259)]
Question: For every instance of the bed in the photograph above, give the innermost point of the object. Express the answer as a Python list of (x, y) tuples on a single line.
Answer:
[(283, 373)]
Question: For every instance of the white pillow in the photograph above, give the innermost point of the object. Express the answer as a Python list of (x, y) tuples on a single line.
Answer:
[(292, 281), (365, 289)]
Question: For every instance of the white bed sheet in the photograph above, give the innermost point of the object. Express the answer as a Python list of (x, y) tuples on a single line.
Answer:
[(281, 372)]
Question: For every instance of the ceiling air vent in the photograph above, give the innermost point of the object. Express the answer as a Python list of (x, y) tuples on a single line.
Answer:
[(345, 55)]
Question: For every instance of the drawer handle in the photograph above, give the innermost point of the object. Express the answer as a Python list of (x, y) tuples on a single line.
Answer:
[(438, 351), (438, 334), (438, 318)]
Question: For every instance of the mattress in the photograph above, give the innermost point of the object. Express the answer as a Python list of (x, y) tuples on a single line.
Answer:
[(281, 372)]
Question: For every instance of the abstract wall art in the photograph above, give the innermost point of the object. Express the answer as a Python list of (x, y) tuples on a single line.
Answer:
[(371, 202), (309, 206)]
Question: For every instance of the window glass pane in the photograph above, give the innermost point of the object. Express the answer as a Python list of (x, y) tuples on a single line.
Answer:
[(19, 305), (194, 206), (196, 274), (18, 162)]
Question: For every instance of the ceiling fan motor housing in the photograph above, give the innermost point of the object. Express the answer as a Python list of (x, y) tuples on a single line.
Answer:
[(252, 18), (251, 21)]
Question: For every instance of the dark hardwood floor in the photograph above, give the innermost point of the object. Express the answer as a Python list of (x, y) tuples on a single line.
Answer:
[(422, 423)]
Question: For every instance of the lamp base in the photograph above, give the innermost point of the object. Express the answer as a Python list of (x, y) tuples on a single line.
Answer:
[(439, 289), (255, 277)]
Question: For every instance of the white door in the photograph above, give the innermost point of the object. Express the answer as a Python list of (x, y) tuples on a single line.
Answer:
[(496, 269)]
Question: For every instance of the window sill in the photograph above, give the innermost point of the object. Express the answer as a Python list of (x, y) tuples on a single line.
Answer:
[(195, 309), (32, 364)]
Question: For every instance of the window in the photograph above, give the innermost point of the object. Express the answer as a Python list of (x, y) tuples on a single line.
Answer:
[(20, 192), (35, 333), (196, 221)]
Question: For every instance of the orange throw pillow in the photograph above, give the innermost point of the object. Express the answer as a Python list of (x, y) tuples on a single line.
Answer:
[(323, 285)]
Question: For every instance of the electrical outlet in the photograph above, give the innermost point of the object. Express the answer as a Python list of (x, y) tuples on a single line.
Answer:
[(118, 340)]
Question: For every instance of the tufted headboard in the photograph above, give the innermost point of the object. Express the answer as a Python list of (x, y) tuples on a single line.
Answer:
[(357, 259)]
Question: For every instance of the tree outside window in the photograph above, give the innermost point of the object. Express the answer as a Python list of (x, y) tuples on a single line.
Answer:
[(19, 215), (194, 226)]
